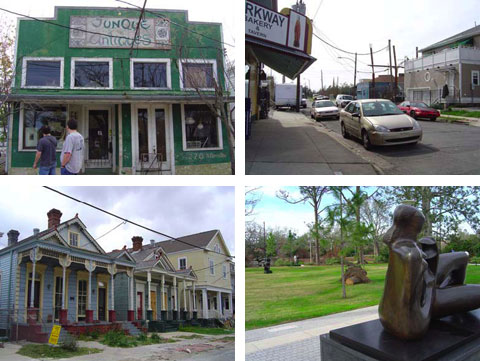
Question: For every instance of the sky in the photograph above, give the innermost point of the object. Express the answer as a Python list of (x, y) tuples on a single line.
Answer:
[(352, 25), (175, 211), (197, 11)]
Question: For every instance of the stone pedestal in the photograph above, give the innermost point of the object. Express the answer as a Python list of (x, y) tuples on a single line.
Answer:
[(63, 317), (112, 316), (195, 315), (149, 315), (89, 316), (454, 337), (32, 315), (174, 315), (183, 314), (130, 315), (163, 315)]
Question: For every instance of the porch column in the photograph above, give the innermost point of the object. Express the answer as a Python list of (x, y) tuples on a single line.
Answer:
[(64, 262), (204, 304), (219, 304), (35, 255), (163, 312), (90, 266), (149, 285), (175, 295), (184, 300), (194, 308), (130, 312), (112, 269), (230, 303)]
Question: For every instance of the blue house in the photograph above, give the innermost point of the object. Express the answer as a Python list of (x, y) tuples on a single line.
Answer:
[(62, 275)]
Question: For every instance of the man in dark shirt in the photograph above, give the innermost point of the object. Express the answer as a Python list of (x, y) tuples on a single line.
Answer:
[(46, 152)]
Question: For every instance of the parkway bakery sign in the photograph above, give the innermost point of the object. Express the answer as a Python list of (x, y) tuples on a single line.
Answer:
[(274, 27), (119, 32)]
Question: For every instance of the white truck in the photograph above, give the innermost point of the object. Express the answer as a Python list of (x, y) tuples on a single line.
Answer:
[(285, 96)]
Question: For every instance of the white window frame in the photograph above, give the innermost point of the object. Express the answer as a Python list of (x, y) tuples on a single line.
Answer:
[(24, 72), (477, 72), (92, 60), (151, 60), (22, 122), (198, 61), (211, 266), (78, 239), (225, 272), (184, 135), (185, 258)]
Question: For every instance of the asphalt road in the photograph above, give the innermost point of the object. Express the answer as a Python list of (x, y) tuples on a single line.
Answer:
[(445, 149)]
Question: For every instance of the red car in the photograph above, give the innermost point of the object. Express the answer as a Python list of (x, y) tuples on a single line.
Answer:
[(419, 110)]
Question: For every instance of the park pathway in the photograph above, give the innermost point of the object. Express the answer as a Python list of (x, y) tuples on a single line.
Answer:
[(299, 341)]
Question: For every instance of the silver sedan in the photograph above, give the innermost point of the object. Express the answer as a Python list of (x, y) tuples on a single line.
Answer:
[(324, 109)]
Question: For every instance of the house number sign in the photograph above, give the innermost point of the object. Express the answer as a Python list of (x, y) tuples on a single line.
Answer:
[(119, 32)]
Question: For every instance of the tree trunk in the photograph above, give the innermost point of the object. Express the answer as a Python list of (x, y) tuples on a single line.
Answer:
[(357, 216), (230, 135), (317, 247), (344, 291), (426, 201), (376, 248)]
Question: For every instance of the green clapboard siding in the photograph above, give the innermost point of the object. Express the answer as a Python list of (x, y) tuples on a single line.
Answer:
[(127, 135)]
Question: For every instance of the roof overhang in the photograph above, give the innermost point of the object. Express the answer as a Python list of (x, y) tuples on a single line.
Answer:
[(285, 60)]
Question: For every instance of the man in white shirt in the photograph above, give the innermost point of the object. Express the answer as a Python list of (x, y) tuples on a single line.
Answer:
[(71, 157)]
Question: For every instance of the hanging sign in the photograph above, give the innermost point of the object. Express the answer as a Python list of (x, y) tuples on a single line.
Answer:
[(119, 32), (265, 24), (297, 31)]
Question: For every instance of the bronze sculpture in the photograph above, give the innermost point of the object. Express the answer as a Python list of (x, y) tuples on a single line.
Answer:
[(421, 284)]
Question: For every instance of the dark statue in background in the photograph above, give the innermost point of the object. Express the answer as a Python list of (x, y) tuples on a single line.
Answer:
[(266, 266), (421, 284)]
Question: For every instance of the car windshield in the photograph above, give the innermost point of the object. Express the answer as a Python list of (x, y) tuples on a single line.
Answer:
[(419, 105), (347, 97), (324, 104), (375, 109)]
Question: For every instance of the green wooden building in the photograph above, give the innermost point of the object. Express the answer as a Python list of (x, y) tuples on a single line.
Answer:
[(140, 91)]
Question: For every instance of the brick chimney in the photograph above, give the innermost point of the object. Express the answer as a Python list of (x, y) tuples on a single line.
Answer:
[(137, 243), (12, 237), (54, 216)]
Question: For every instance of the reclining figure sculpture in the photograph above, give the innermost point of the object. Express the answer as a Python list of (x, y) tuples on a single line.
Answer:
[(421, 284)]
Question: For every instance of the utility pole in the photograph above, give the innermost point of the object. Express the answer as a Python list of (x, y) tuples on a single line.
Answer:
[(417, 51), (298, 94), (396, 73), (321, 73), (264, 240), (391, 75), (355, 74), (373, 73)]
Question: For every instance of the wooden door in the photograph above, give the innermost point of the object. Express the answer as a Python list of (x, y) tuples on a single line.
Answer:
[(139, 305), (102, 304), (153, 302)]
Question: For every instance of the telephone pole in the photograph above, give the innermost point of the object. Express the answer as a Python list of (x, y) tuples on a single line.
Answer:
[(391, 75), (321, 73), (373, 73), (396, 73), (355, 74)]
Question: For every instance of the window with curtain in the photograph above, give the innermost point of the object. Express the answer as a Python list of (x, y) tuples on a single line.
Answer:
[(201, 127)]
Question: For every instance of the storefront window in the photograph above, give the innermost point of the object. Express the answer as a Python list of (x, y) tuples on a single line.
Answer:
[(92, 74), (198, 75), (45, 73), (201, 127), (35, 117), (149, 75)]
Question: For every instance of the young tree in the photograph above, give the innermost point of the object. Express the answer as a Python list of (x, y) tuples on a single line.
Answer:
[(312, 196), (252, 197), (290, 247), (271, 246), (7, 71), (375, 213)]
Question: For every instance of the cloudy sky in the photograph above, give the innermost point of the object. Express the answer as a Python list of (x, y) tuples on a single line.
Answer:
[(197, 10), (353, 25), (176, 211)]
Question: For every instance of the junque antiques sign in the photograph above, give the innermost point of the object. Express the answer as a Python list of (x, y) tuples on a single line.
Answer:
[(265, 24), (118, 32)]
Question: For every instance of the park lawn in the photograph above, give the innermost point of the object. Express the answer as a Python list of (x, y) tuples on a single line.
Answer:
[(297, 293), (207, 330), (462, 113)]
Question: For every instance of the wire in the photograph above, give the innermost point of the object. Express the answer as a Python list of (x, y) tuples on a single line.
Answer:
[(103, 34), (345, 51), (118, 225), (180, 25), (131, 222)]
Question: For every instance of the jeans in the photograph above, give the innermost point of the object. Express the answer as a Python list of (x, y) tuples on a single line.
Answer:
[(64, 171), (46, 170)]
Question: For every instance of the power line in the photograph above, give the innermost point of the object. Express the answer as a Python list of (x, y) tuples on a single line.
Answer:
[(103, 34), (131, 222), (114, 228), (177, 24), (345, 51)]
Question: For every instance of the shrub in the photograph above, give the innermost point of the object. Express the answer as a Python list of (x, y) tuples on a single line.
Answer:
[(117, 339), (142, 337), (475, 260), (155, 338), (70, 344), (282, 262), (333, 260)]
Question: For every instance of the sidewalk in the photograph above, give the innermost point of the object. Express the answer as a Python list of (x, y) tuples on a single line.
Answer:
[(299, 341), (291, 143)]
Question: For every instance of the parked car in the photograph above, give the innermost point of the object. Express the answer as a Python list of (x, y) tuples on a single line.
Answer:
[(303, 103), (324, 109), (321, 97), (378, 122), (342, 100), (419, 110)]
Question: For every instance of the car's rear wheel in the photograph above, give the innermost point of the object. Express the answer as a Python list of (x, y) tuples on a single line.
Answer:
[(366, 141), (344, 132), (412, 114), (434, 119)]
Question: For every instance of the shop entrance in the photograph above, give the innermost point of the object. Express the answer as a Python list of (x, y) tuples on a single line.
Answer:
[(99, 138), (152, 138)]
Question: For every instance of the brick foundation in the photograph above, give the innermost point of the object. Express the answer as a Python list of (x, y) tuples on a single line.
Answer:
[(89, 316), (63, 317), (112, 317), (131, 315)]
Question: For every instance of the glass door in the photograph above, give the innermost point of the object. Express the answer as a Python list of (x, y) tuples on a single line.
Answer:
[(99, 139), (58, 296), (153, 145)]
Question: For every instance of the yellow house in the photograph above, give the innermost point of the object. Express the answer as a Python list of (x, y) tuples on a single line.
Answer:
[(207, 254)]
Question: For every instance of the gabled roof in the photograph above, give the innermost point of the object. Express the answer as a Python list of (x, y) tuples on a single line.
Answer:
[(84, 229), (194, 241), (453, 39)]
